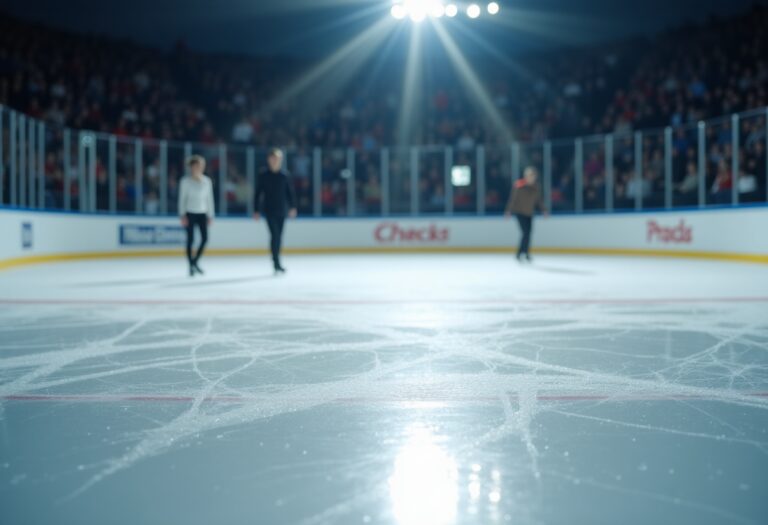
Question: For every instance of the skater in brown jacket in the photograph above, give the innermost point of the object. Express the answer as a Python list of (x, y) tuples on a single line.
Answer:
[(523, 201)]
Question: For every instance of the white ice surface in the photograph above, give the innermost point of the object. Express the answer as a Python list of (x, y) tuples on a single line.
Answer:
[(491, 391)]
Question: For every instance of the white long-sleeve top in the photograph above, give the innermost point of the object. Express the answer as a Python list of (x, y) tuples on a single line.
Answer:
[(196, 196)]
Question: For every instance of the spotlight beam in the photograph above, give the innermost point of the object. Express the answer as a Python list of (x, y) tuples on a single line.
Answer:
[(340, 66), (335, 25), (473, 84), (408, 118), (518, 69), (383, 56)]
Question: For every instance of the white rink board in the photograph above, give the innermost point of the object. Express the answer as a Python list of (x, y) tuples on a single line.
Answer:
[(736, 231)]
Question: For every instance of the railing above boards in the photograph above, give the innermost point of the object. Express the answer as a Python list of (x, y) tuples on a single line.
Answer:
[(716, 162)]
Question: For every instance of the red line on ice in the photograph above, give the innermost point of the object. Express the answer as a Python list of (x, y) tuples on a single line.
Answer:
[(161, 398), (374, 302)]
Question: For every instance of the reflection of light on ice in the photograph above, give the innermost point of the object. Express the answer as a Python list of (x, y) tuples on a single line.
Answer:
[(474, 490), (423, 486), (477, 487)]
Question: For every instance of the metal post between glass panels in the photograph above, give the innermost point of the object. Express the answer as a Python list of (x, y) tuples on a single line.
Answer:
[(41, 164), (32, 163), (609, 176), (578, 160), (548, 176), (735, 159), (163, 177), (414, 180), (29, 151), (480, 161), (2, 158), (22, 160), (448, 183), (384, 181), (29, 147), (13, 176), (187, 154), (138, 174), (250, 177), (67, 140), (351, 182), (668, 167), (112, 173), (81, 167), (222, 179), (317, 182), (638, 170), (515, 159), (702, 161), (91, 149), (766, 153)]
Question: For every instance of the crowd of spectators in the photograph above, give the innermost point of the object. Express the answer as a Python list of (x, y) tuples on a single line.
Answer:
[(695, 72)]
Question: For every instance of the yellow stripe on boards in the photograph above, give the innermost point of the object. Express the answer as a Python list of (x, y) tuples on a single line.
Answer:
[(639, 252), (625, 252)]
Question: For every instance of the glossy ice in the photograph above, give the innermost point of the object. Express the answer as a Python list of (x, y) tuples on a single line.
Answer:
[(411, 390)]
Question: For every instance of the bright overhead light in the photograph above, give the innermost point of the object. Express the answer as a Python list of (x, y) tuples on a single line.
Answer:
[(493, 8), (398, 11), (436, 10), (418, 10), (451, 10), (473, 11)]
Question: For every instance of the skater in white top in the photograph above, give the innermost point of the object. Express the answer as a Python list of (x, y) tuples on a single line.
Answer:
[(196, 208)]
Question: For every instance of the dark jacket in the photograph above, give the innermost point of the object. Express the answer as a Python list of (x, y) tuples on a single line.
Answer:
[(524, 199), (275, 189)]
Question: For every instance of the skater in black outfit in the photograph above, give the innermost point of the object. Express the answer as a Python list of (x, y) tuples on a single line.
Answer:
[(523, 201), (275, 189), (196, 209)]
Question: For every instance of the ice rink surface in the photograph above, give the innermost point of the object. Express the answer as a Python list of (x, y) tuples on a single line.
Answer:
[(394, 389)]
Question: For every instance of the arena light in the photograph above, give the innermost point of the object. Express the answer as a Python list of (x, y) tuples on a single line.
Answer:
[(493, 8), (473, 10), (419, 10), (398, 11), (436, 10)]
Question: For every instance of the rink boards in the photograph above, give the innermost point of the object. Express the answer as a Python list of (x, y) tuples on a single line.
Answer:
[(740, 234)]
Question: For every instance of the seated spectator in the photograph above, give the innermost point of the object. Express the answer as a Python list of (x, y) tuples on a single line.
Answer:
[(720, 191), (687, 189)]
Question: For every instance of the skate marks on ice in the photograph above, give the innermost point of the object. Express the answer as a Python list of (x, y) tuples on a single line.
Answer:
[(228, 366)]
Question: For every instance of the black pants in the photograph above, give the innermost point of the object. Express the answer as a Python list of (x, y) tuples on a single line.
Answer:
[(526, 224), (275, 223), (201, 221)]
